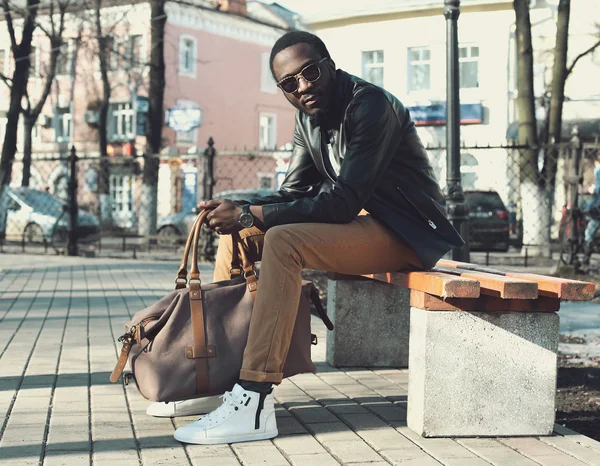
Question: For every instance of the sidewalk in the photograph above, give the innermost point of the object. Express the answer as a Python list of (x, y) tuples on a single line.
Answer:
[(59, 322)]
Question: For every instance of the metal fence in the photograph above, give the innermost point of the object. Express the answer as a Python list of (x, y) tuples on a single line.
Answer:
[(110, 205)]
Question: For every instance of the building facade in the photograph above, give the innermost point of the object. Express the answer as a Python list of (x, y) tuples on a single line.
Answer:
[(401, 46), (218, 85)]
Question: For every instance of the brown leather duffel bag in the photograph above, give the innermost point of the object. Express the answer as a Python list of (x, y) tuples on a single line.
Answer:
[(190, 343)]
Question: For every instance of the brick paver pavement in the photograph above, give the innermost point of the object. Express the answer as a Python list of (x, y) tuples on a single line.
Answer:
[(59, 322)]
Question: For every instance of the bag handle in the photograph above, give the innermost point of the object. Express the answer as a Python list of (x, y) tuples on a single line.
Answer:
[(181, 280)]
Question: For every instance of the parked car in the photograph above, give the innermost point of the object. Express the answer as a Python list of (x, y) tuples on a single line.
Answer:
[(174, 228), (488, 221), (35, 216)]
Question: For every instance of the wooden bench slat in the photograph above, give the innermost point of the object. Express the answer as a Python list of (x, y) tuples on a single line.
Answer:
[(497, 285), (435, 283), (484, 303), (553, 287)]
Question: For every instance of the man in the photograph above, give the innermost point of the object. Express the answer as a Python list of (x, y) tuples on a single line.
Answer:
[(359, 196), (593, 213)]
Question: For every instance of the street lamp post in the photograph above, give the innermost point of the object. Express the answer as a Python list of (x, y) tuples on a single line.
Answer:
[(209, 182), (456, 207)]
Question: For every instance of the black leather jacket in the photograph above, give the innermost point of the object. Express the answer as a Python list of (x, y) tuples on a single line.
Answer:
[(385, 170)]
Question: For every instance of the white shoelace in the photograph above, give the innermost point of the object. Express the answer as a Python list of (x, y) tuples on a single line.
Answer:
[(228, 404)]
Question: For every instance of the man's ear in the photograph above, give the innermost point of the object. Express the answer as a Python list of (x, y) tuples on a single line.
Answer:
[(331, 65)]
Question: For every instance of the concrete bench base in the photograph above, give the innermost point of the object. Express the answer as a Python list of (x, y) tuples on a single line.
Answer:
[(371, 324), (482, 374)]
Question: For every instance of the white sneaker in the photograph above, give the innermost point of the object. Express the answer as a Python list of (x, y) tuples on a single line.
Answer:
[(191, 407), (244, 416)]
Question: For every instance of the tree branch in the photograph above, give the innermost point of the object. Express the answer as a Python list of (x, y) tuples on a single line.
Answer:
[(10, 26), (6, 80), (55, 42), (580, 56)]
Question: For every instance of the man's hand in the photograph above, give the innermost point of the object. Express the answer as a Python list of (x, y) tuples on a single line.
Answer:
[(224, 218)]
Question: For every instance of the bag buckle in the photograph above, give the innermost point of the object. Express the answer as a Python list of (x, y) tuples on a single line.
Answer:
[(313, 339)]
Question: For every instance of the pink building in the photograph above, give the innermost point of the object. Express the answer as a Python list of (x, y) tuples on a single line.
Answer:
[(216, 57)]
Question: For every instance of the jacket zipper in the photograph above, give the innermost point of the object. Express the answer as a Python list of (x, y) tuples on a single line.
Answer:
[(429, 221)]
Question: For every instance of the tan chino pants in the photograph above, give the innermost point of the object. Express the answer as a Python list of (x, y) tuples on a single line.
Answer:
[(362, 246)]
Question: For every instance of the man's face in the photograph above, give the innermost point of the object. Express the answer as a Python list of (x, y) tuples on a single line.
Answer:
[(311, 98)]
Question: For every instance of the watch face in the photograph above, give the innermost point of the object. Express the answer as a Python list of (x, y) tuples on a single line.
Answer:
[(246, 220)]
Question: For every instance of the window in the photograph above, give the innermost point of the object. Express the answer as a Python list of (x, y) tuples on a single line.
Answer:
[(3, 122), (121, 197), (468, 62), (187, 56), (265, 181), (62, 128), (419, 69), (34, 63), (372, 67), (63, 64), (268, 131), (112, 53), (120, 121), (3, 62), (267, 83), (134, 51)]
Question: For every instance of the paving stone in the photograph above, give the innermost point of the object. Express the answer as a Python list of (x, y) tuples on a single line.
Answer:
[(377, 433), (352, 452), (332, 431), (409, 457), (319, 459), (265, 454), (66, 458), (289, 426), (298, 445), (164, 456), (313, 412), (540, 452), (585, 454), (577, 438)]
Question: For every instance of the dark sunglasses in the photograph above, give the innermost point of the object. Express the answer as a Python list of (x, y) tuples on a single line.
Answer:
[(310, 74)]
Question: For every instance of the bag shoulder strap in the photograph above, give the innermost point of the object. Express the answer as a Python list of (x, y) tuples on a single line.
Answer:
[(316, 300)]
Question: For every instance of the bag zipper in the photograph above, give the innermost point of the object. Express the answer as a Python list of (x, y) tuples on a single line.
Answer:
[(428, 220)]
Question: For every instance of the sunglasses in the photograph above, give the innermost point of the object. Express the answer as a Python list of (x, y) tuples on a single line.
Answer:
[(310, 74)]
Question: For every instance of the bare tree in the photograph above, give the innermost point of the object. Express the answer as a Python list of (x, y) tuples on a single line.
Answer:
[(154, 124), (537, 186), (21, 52), (104, 52), (32, 111)]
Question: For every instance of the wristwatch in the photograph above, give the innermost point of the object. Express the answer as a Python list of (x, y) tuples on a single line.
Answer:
[(246, 220)]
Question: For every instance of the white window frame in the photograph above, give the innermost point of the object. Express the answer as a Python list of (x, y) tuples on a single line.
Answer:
[(419, 62), (4, 67), (469, 59), (120, 113), (141, 58), (267, 82), (120, 188), (183, 71), (36, 133), (3, 123), (64, 125), (272, 142), (36, 71), (366, 67)]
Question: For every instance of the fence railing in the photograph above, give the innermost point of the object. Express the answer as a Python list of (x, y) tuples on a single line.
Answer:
[(80, 204)]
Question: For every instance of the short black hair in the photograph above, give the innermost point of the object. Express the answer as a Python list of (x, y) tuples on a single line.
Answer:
[(297, 37)]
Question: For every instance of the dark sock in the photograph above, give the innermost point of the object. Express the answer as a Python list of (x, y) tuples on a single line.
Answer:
[(258, 387)]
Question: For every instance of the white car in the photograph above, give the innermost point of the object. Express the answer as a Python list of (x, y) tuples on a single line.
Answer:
[(35, 216)]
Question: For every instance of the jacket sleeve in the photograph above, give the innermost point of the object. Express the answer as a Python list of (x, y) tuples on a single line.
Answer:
[(374, 133), (302, 178)]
